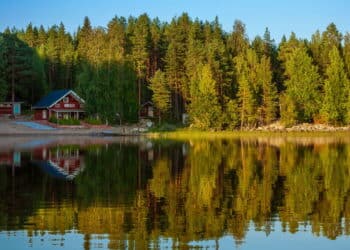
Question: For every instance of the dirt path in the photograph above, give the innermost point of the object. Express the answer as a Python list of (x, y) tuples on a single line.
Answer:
[(12, 127)]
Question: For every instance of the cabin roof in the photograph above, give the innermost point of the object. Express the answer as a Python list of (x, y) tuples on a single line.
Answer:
[(55, 96)]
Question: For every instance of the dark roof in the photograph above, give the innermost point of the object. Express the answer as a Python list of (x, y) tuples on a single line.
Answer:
[(51, 98)]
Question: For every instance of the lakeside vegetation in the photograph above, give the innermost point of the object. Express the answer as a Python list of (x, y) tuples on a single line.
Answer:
[(221, 79)]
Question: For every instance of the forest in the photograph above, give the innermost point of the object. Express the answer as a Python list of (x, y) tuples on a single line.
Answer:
[(222, 80)]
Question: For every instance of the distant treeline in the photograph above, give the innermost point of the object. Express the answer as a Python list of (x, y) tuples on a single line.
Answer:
[(221, 79)]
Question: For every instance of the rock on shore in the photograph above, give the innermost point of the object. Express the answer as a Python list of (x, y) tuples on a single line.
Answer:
[(304, 127)]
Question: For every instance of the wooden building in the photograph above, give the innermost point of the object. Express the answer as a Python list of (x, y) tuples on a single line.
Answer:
[(147, 110), (10, 108), (62, 104)]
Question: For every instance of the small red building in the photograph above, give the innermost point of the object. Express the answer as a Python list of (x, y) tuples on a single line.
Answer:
[(147, 110), (62, 104), (10, 108)]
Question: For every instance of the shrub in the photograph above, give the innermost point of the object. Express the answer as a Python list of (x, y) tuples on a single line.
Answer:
[(93, 121), (69, 121), (53, 119)]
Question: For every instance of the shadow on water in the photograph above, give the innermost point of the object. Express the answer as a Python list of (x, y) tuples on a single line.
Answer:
[(140, 193)]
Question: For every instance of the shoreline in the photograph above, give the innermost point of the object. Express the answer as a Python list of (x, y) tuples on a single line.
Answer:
[(9, 127)]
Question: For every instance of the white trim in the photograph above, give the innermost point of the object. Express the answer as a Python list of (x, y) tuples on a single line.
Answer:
[(69, 92)]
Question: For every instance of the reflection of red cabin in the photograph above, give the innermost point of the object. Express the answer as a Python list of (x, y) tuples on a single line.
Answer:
[(65, 162), (10, 158), (62, 104)]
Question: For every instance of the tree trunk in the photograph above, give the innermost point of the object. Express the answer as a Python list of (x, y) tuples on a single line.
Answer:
[(13, 85)]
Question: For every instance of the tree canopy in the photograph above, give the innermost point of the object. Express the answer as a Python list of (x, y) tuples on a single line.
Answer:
[(137, 59)]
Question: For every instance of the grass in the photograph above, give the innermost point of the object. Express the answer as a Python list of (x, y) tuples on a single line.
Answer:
[(187, 133)]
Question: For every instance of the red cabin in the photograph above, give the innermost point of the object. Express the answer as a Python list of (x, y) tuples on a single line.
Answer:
[(10, 108), (62, 104)]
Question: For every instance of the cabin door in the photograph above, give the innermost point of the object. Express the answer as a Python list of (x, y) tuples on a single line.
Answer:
[(17, 109), (44, 115)]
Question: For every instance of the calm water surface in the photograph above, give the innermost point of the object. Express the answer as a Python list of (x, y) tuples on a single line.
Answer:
[(134, 193)]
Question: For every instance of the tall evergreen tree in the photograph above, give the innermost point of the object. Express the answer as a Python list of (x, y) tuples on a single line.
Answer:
[(269, 98), (331, 37), (141, 44), (248, 88), (237, 41), (3, 73), (346, 53), (336, 90), (204, 110), (161, 93), (302, 84), (177, 39), (84, 37)]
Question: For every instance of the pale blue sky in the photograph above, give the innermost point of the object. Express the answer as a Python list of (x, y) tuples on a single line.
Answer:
[(303, 17)]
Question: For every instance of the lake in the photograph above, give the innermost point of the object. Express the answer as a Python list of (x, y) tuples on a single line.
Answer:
[(138, 193)]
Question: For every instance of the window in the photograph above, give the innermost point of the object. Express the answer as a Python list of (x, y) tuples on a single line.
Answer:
[(66, 99), (44, 114)]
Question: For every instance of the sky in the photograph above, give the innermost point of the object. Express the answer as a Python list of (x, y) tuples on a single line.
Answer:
[(281, 17)]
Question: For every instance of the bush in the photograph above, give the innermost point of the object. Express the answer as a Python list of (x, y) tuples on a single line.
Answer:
[(53, 119), (93, 121), (69, 121), (164, 127)]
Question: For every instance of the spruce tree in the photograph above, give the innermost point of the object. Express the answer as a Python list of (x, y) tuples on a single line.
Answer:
[(303, 84), (161, 93), (141, 44), (269, 98), (248, 88), (336, 90), (205, 112)]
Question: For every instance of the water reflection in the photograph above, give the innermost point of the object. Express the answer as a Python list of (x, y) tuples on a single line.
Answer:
[(117, 194)]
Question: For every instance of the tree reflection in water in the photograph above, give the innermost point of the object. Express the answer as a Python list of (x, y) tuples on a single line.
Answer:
[(142, 193)]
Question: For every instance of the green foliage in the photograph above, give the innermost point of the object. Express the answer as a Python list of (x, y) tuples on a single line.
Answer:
[(93, 120), (336, 91), (302, 84), (161, 92), (68, 121), (204, 109), (53, 119), (117, 68), (289, 115), (231, 116)]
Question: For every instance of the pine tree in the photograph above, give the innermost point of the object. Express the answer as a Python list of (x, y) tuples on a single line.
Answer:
[(204, 110), (161, 93), (3, 75), (336, 90), (42, 36), (346, 53), (237, 41), (141, 43), (248, 88), (52, 54), (302, 84), (331, 37), (269, 92), (177, 39), (84, 37), (30, 36)]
